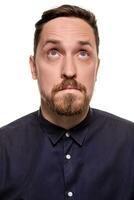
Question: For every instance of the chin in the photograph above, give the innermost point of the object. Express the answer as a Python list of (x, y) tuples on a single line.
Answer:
[(70, 105)]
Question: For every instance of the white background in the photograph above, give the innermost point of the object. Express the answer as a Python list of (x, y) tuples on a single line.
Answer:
[(114, 91)]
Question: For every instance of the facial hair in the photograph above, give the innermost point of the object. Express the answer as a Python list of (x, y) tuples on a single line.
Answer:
[(69, 104)]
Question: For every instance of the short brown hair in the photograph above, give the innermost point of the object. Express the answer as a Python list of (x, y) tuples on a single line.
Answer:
[(66, 11)]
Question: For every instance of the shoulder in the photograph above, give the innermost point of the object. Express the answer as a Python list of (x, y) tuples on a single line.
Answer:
[(19, 144), (112, 122), (19, 125), (112, 132), (111, 117)]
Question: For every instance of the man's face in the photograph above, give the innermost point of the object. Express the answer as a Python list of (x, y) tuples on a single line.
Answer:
[(65, 65)]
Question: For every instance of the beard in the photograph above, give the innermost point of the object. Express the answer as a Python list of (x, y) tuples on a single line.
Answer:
[(67, 104)]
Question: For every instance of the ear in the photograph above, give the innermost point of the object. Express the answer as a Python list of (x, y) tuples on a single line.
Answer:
[(33, 67), (97, 67)]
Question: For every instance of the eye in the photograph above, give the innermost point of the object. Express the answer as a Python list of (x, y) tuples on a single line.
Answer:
[(53, 53), (83, 53)]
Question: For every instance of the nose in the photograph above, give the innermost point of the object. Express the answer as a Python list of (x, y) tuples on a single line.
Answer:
[(68, 67)]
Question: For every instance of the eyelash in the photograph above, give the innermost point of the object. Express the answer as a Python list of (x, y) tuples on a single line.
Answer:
[(56, 50), (85, 51), (52, 50)]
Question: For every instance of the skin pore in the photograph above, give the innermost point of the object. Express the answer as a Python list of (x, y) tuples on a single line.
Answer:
[(65, 66)]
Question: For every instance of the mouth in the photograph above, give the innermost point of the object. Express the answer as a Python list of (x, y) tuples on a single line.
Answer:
[(69, 88)]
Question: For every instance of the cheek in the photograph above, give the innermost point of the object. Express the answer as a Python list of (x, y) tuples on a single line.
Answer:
[(46, 79), (88, 80), (44, 83)]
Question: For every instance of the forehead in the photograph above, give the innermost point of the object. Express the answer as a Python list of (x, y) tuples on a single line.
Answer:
[(67, 29)]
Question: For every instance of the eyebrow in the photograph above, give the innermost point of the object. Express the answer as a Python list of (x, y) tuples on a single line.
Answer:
[(53, 41), (85, 43)]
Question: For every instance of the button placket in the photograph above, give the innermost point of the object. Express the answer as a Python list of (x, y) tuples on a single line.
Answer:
[(68, 164), (67, 146)]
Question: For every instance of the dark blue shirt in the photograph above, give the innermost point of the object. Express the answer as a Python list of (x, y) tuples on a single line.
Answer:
[(92, 161)]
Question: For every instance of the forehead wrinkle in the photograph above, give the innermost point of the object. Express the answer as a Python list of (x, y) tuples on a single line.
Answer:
[(82, 39), (59, 42), (67, 23), (70, 34), (65, 29), (66, 32), (61, 33)]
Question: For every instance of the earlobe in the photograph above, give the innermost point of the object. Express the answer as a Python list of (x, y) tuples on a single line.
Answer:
[(33, 67)]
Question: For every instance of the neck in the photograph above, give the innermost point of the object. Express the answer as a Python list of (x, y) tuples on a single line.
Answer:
[(65, 122)]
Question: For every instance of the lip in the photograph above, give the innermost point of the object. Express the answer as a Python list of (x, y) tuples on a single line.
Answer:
[(70, 89)]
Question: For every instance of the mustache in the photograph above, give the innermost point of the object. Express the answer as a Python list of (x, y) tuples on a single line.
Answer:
[(69, 84)]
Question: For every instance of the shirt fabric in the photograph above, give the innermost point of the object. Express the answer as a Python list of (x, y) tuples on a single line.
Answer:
[(91, 161)]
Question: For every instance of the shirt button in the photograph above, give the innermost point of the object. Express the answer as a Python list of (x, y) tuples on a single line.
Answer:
[(67, 134), (70, 194), (68, 156)]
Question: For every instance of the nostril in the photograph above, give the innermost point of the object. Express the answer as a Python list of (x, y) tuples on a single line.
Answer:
[(68, 76)]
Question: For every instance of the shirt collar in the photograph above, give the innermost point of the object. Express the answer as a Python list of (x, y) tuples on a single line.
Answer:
[(55, 133)]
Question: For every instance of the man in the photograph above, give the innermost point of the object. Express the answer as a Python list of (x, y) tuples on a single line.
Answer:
[(67, 150)]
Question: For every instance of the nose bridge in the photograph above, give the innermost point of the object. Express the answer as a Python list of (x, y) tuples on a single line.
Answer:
[(68, 66)]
